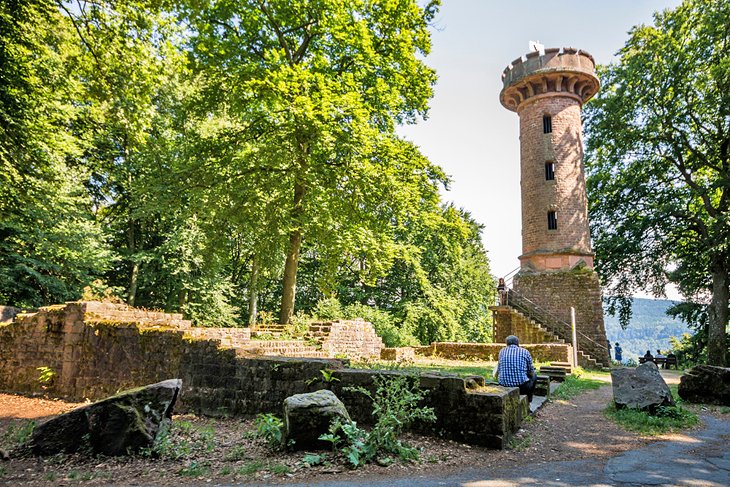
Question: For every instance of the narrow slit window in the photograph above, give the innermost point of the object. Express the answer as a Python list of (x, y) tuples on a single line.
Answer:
[(547, 124), (552, 220), (549, 171)]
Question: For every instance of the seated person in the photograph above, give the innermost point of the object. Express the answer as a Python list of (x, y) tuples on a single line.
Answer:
[(659, 354), (648, 357), (515, 368)]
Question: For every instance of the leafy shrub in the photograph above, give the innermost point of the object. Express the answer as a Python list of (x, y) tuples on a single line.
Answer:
[(270, 428), (45, 375), (395, 407)]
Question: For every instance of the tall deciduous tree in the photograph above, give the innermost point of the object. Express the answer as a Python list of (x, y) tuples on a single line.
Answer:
[(313, 91), (658, 161), (50, 245)]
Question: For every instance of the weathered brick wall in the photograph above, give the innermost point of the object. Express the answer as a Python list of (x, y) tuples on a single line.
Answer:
[(354, 338), (541, 352), (229, 337), (98, 358), (556, 292)]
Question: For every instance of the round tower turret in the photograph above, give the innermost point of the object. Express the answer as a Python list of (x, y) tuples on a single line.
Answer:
[(547, 90)]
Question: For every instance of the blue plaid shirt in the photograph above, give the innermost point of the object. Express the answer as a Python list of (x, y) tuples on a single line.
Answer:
[(514, 364)]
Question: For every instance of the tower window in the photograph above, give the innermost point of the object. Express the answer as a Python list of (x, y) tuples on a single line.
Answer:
[(552, 220), (549, 171), (547, 124)]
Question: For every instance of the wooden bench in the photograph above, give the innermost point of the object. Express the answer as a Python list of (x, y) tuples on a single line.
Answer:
[(663, 362)]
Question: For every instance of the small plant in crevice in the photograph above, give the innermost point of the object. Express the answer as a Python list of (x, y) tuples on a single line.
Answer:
[(395, 407), (327, 377), (270, 428), (46, 376)]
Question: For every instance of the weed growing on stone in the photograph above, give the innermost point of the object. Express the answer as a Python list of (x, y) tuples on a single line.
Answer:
[(226, 471), (271, 429), (3, 471), (395, 407), (50, 476), (665, 419), (724, 410)]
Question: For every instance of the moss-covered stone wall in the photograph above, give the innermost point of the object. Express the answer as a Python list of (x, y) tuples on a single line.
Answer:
[(94, 359)]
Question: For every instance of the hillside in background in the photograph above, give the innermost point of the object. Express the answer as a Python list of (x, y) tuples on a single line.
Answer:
[(650, 328)]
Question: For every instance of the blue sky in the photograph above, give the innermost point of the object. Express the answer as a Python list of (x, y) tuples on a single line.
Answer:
[(468, 132)]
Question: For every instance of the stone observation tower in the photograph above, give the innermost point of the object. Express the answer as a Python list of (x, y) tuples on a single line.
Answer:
[(547, 90)]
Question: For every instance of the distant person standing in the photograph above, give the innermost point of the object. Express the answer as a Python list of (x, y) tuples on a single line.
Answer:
[(502, 290), (617, 350)]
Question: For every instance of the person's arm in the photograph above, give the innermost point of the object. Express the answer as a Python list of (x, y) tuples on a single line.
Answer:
[(530, 366)]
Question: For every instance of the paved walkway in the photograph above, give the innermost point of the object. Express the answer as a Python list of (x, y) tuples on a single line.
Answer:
[(701, 458), (698, 458)]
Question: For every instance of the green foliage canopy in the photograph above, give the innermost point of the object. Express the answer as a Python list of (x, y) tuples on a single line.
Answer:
[(658, 163)]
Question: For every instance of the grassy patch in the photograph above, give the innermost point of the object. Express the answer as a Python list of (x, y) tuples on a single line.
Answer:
[(666, 419), (575, 385), (250, 468), (279, 469), (194, 469), (459, 367)]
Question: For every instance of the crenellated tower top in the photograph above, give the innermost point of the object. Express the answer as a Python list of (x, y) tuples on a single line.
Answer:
[(558, 71)]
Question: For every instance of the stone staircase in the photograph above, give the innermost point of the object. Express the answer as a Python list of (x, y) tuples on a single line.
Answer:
[(553, 330)]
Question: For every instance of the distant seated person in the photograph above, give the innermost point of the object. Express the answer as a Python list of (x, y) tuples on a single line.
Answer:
[(515, 368), (648, 357), (659, 354), (671, 360)]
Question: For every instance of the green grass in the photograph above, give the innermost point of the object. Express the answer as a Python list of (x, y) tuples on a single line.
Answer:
[(667, 419), (448, 366), (575, 385), (250, 468), (194, 469), (279, 469)]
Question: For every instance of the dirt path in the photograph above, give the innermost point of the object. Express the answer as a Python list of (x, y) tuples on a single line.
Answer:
[(562, 431)]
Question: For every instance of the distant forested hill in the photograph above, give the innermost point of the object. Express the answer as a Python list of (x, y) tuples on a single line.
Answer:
[(650, 328)]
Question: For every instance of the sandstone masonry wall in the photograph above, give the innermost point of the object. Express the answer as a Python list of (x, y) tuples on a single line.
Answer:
[(97, 358), (556, 292), (541, 352)]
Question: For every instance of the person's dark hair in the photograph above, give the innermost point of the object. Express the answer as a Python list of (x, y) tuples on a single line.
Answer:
[(617, 344), (512, 340)]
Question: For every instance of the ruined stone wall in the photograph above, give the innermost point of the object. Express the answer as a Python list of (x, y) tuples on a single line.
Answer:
[(95, 359), (229, 337), (556, 292), (354, 338), (541, 352)]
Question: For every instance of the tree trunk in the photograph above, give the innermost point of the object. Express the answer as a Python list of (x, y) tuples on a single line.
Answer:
[(134, 274), (718, 314), (253, 294), (292, 258)]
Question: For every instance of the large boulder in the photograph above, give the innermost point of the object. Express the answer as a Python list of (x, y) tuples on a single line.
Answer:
[(118, 425), (640, 388), (706, 384), (307, 416)]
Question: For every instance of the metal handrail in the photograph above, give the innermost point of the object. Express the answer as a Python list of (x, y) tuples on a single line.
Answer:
[(547, 317)]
